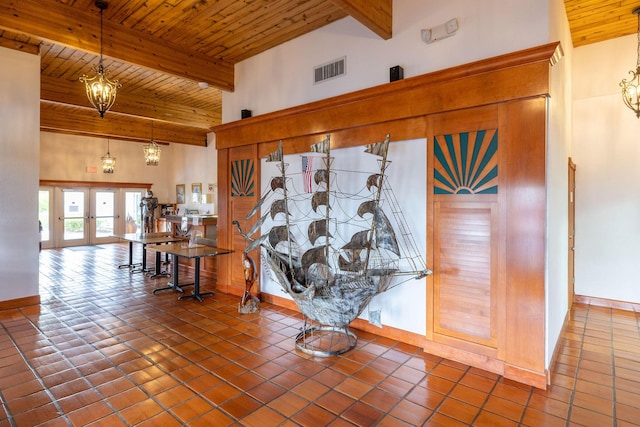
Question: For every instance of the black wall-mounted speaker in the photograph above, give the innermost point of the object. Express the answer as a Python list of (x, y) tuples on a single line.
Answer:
[(396, 73)]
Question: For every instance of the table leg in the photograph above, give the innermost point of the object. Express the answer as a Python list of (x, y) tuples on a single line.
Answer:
[(174, 283), (131, 265), (196, 290), (158, 271)]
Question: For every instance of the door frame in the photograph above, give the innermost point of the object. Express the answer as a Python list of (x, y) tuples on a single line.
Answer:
[(58, 229), (55, 208), (48, 243), (571, 252)]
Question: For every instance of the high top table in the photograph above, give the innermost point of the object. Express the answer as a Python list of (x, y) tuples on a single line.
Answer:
[(146, 239), (186, 250)]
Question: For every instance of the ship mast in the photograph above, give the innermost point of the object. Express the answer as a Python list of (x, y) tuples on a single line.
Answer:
[(327, 207), (282, 168), (375, 149)]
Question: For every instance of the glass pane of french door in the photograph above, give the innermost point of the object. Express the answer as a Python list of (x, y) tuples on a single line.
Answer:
[(75, 216), (103, 216), (133, 220)]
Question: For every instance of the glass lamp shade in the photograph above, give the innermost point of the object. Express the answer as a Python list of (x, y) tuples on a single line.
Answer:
[(152, 153), (108, 163), (101, 91), (631, 91)]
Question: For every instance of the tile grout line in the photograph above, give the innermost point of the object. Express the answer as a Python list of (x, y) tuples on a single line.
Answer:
[(575, 375), (25, 360)]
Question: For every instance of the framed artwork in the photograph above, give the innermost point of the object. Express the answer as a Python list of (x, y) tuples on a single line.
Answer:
[(180, 194), (196, 191)]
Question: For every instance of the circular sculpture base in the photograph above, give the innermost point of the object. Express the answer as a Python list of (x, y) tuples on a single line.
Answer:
[(325, 341)]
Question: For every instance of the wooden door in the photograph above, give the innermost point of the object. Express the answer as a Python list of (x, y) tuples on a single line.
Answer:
[(572, 231), (241, 169), (468, 287)]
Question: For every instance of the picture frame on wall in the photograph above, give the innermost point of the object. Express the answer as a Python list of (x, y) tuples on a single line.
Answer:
[(196, 192), (180, 194)]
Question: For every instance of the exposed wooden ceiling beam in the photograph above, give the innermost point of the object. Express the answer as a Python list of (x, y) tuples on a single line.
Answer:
[(373, 14), (67, 26), (61, 118), (65, 92), (20, 46)]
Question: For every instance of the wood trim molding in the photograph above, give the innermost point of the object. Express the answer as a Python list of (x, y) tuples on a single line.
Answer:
[(92, 184), (490, 80), (20, 302), (535, 379), (609, 303)]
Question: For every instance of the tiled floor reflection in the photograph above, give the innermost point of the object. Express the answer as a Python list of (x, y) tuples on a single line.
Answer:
[(102, 350)]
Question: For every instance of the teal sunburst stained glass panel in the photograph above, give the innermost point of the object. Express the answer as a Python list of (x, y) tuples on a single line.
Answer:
[(466, 163), (242, 178)]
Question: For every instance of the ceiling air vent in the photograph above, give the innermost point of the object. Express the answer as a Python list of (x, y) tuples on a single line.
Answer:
[(330, 70)]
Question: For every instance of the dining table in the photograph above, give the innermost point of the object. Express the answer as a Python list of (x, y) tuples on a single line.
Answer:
[(191, 250), (147, 239)]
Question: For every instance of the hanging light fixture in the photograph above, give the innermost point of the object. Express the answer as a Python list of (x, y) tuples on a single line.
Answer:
[(100, 90), (108, 162), (152, 151), (631, 87)]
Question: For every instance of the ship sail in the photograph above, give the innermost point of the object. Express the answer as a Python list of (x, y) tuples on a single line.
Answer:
[(318, 229), (385, 236)]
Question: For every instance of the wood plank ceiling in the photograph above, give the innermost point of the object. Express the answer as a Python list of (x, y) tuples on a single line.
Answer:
[(161, 49), (593, 21)]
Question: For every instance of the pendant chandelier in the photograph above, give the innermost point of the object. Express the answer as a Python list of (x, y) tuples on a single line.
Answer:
[(100, 90), (152, 151), (631, 87), (108, 162)]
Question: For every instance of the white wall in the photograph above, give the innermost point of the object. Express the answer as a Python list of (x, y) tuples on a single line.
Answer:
[(66, 157), (282, 77), (606, 150), (19, 139), (558, 153)]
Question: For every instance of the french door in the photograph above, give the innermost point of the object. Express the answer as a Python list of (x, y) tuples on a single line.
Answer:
[(74, 216), (87, 216)]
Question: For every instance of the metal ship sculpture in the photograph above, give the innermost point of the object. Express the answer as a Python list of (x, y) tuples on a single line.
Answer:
[(332, 251)]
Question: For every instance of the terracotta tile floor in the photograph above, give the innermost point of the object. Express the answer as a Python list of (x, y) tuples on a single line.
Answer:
[(102, 350)]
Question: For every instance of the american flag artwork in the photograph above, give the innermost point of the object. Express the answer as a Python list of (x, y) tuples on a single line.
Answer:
[(306, 172)]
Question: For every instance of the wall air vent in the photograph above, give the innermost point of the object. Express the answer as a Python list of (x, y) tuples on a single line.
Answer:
[(330, 70)]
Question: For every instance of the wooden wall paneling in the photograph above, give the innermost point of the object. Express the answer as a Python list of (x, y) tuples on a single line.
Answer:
[(506, 93), (525, 178), (243, 191), (224, 223), (430, 256), (399, 130)]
